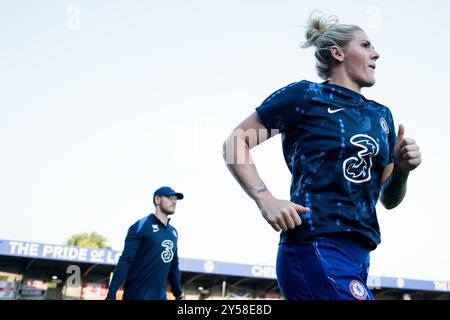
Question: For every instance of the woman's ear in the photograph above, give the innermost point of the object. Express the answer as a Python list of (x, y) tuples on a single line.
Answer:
[(337, 53)]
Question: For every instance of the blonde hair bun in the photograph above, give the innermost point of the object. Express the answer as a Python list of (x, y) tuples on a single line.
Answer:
[(317, 25)]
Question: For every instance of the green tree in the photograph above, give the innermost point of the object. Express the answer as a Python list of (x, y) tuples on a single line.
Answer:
[(92, 240)]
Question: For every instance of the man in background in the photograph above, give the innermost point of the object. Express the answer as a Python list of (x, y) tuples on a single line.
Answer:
[(150, 256)]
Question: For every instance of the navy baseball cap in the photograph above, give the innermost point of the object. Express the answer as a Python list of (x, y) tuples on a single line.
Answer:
[(167, 191)]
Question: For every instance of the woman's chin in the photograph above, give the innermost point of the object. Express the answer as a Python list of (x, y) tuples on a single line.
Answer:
[(367, 83)]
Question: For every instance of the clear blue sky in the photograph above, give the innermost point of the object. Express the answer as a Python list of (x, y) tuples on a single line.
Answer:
[(101, 102)]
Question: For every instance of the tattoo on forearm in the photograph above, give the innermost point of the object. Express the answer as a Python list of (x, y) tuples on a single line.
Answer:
[(258, 189)]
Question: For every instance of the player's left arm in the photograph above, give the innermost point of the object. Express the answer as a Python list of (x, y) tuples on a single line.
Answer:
[(175, 277), (394, 179)]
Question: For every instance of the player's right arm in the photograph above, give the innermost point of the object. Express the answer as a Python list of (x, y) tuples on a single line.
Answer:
[(132, 243), (280, 214)]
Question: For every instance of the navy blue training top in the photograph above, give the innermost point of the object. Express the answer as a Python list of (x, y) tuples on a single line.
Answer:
[(149, 258), (336, 144)]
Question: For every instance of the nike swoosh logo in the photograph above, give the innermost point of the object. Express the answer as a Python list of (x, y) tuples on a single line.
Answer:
[(334, 111)]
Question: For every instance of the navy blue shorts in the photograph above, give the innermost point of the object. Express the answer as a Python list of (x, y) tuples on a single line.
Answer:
[(331, 267)]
